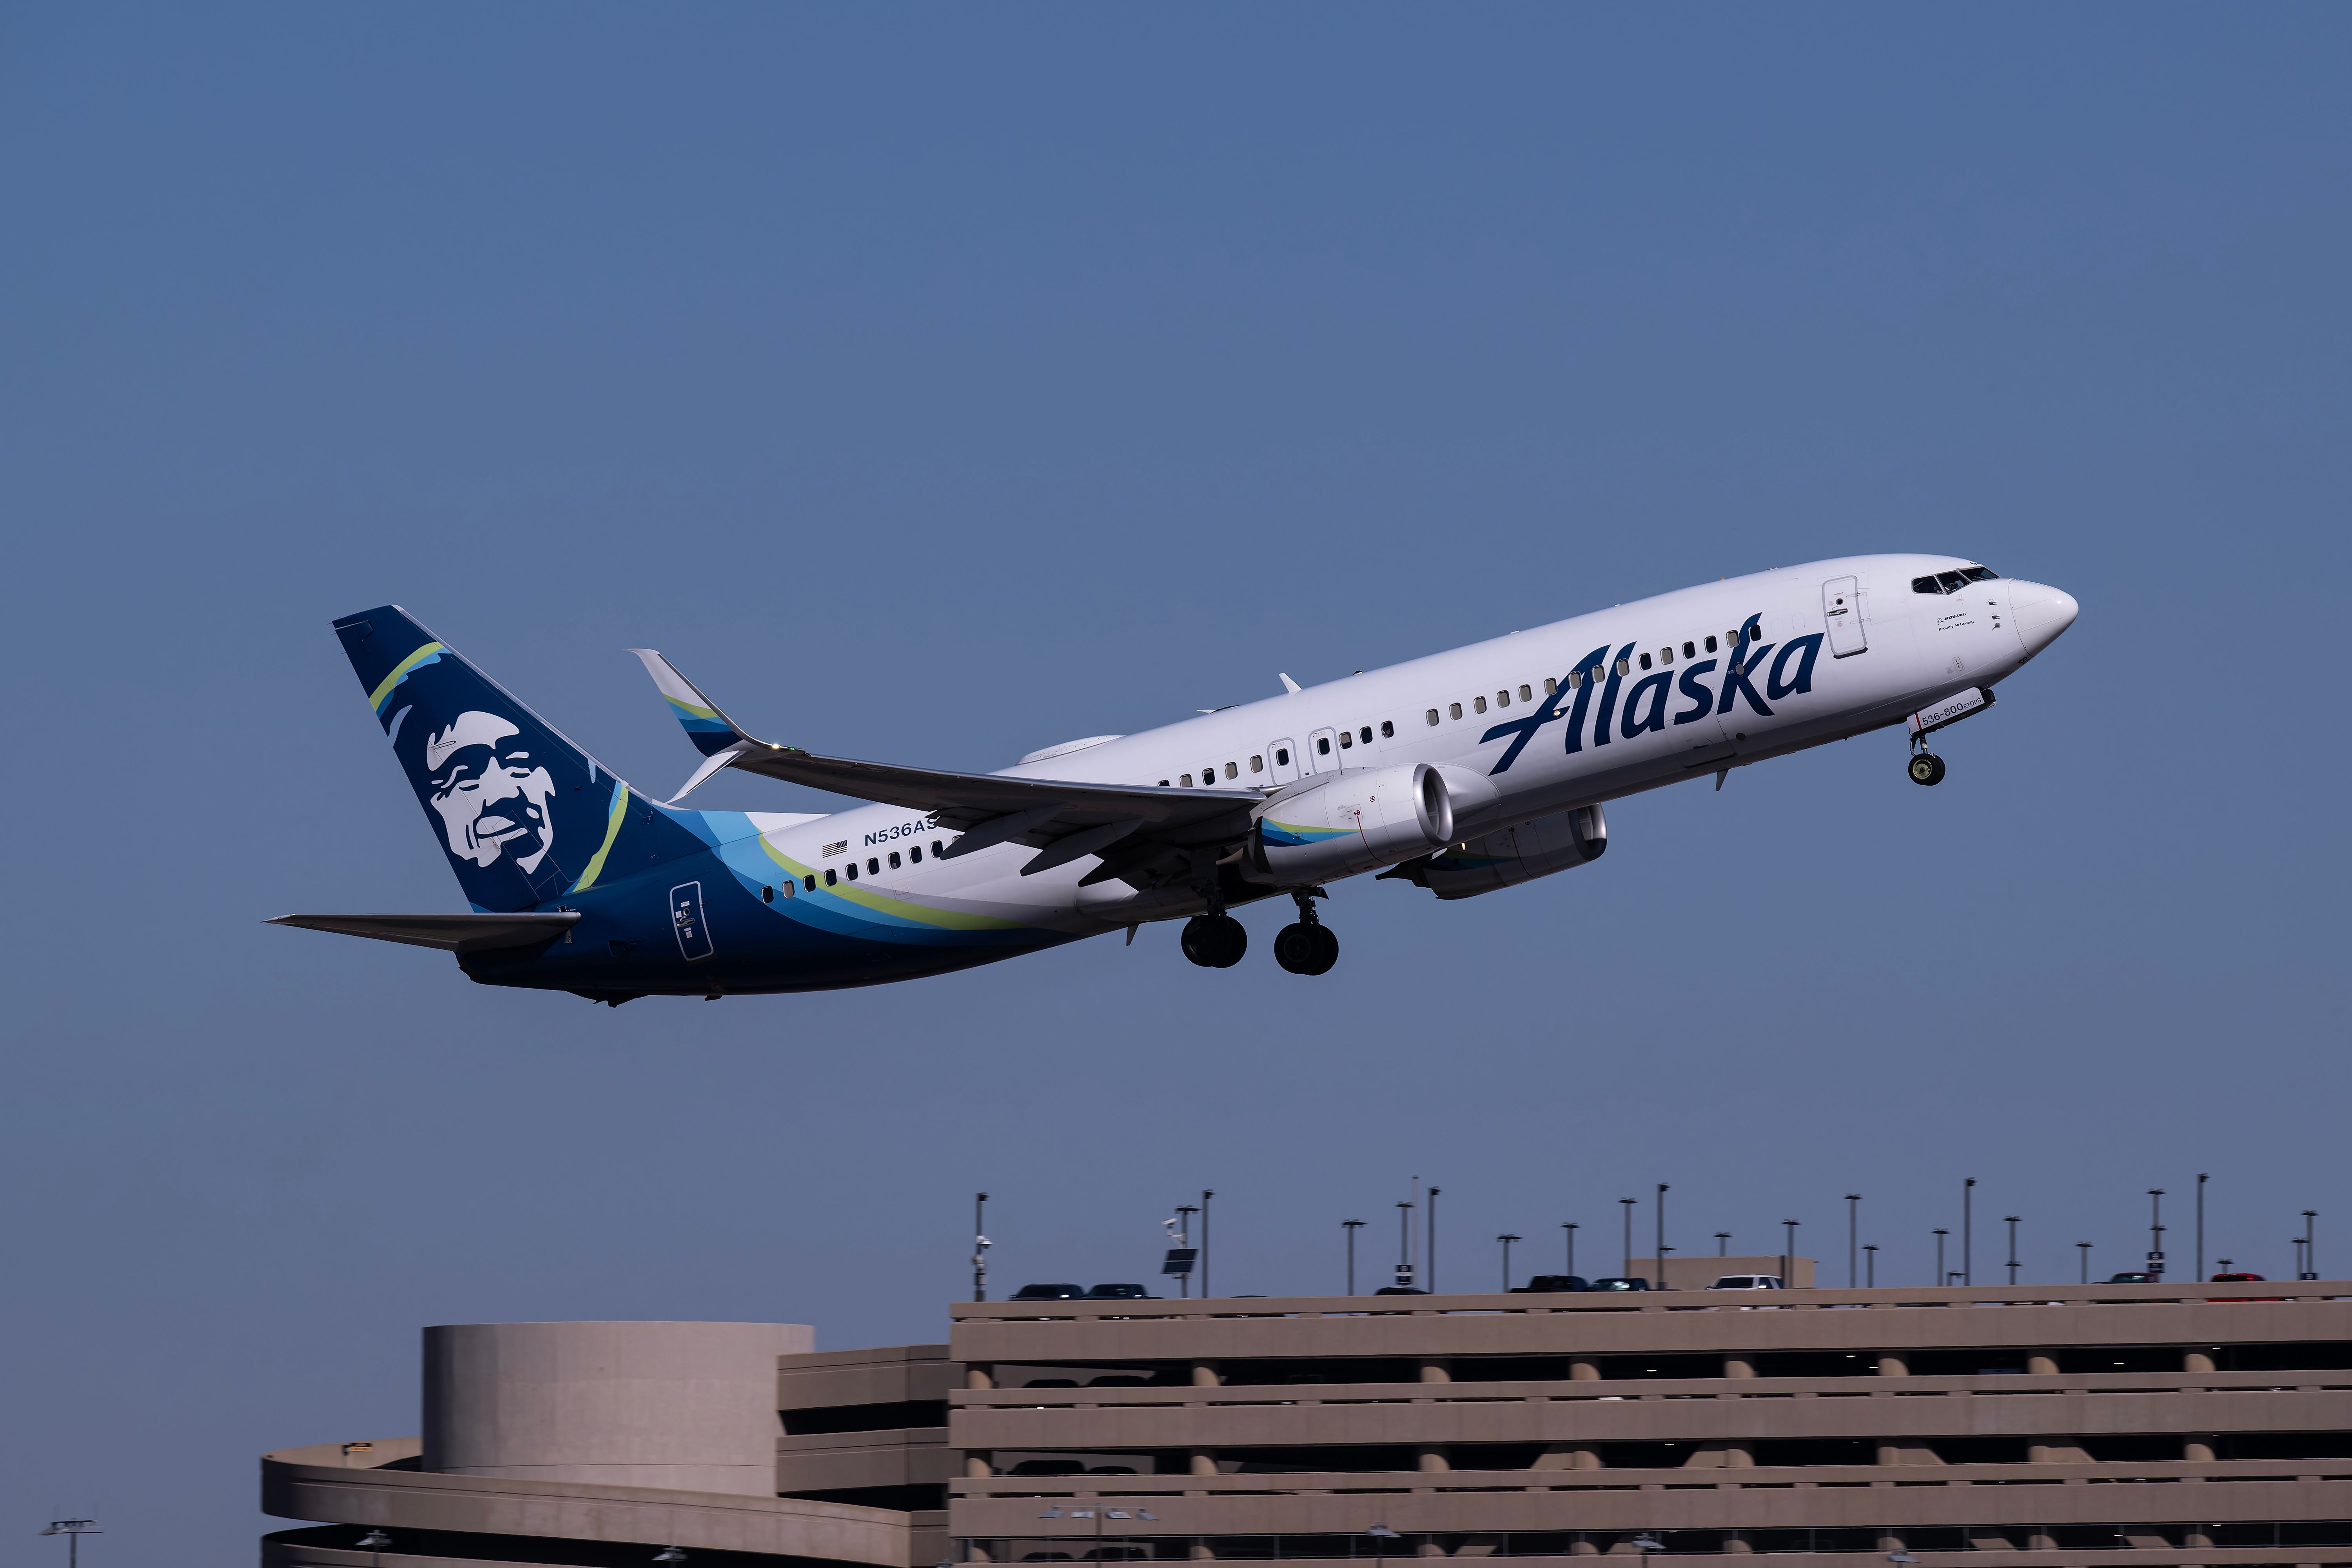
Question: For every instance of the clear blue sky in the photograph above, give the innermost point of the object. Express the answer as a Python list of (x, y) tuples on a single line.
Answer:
[(936, 384)]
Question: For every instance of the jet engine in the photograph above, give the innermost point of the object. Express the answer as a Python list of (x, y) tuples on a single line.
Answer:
[(1358, 821), (1515, 855)]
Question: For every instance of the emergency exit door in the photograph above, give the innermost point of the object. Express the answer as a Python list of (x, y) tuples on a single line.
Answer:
[(1842, 614)]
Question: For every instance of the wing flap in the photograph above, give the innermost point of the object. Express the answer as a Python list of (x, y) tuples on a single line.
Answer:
[(450, 933)]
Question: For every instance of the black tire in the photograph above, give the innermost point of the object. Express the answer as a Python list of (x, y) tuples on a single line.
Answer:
[(1926, 768), (1294, 948), (1214, 942), (1326, 949)]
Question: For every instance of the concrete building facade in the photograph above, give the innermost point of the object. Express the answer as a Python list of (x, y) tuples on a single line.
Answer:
[(2043, 1424)]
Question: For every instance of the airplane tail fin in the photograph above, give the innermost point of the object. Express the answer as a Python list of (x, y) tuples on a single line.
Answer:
[(525, 815)]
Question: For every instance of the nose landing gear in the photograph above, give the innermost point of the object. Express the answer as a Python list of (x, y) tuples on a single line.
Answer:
[(1307, 946), (1926, 768)]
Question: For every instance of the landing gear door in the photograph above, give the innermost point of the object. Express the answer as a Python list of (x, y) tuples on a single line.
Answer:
[(1323, 752), (1284, 756), (1842, 614)]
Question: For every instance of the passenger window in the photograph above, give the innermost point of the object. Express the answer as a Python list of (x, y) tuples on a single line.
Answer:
[(1551, 687), (1502, 698), (809, 881), (1666, 654), (1455, 709), (767, 895), (1432, 716), (1209, 775), (1322, 745), (1366, 734), (915, 854), (1689, 652), (830, 879), (1710, 644), (1257, 763), (872, 867), (1478, 704), (1625, 666), (936, 850), (894, 860), (1232, 771), (1388, 729), (788, 890), (1575, 679), (1645, 661), (1526, 695), (1732, 638), (1281, 758), (1187, 779), (1347, 739), (1163, 783)]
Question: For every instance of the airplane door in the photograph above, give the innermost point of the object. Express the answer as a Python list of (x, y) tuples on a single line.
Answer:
[(686, 918), (1323, 752), (1283, 755), (1842, 614)]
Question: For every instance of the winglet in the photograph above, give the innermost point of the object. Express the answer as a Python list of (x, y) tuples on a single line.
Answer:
[(716, 736), (1288, 685)]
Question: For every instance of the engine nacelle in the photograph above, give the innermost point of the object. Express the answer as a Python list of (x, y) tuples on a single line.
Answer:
[(1516, 855), (1359, 821)]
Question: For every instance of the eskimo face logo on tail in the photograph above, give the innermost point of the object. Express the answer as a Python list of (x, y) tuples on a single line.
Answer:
[(491, 797)]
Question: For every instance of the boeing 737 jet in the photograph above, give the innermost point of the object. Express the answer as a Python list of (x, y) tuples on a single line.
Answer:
[(1462, 774)]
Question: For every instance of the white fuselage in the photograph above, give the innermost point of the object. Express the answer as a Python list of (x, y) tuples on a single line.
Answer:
[(1666, 719)]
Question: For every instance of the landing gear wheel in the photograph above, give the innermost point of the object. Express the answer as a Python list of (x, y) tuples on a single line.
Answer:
[(1214, 942), (1926, 768), (1305, 949)]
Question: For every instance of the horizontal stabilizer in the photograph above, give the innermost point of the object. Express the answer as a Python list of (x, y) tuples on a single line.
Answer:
[(450, 933)]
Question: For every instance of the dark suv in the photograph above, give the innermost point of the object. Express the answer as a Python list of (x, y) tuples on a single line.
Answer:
[(1120, 1293), (1050, 1293), (1552, 1285)]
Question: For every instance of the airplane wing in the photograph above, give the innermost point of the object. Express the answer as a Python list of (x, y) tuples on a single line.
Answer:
[(450, 933), (1130, 825)]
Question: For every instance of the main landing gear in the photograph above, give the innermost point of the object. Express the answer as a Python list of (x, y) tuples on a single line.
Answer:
[(1215, 942), (1307, 946)]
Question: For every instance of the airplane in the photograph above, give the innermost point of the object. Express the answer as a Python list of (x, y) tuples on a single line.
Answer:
[(1462, 772)]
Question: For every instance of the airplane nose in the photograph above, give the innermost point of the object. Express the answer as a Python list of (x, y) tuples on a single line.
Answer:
[(2042, 611)]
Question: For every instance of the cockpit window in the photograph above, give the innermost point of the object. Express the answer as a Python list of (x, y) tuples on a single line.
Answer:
[(1952, 581)]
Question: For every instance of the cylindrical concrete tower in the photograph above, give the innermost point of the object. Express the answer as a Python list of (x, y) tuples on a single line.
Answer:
[(684, 1406)]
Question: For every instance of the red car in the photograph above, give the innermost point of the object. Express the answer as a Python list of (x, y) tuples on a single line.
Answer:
[(2234, 1279)]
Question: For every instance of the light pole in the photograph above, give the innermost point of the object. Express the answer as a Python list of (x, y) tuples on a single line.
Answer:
[(1967, 1231), (1382, 1535), (1629, 1237), (2310, 1246), (1940, 1234), (1870, 1265), (1429, 1242), (1646, 1544), (1661, 1282), (2201, 1225), (1348, 1227), (2085, 1247), (1507, 1238), (73, 1530), (1570, 1227), (1723, 1244), (670, 1555), (2010, 1221), (1404, 1245), (1789, 1256), (1853, 1234), (374, 1541), (2154, 1234), (980, 1245), (1205, 1196), (1184, 1213)]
